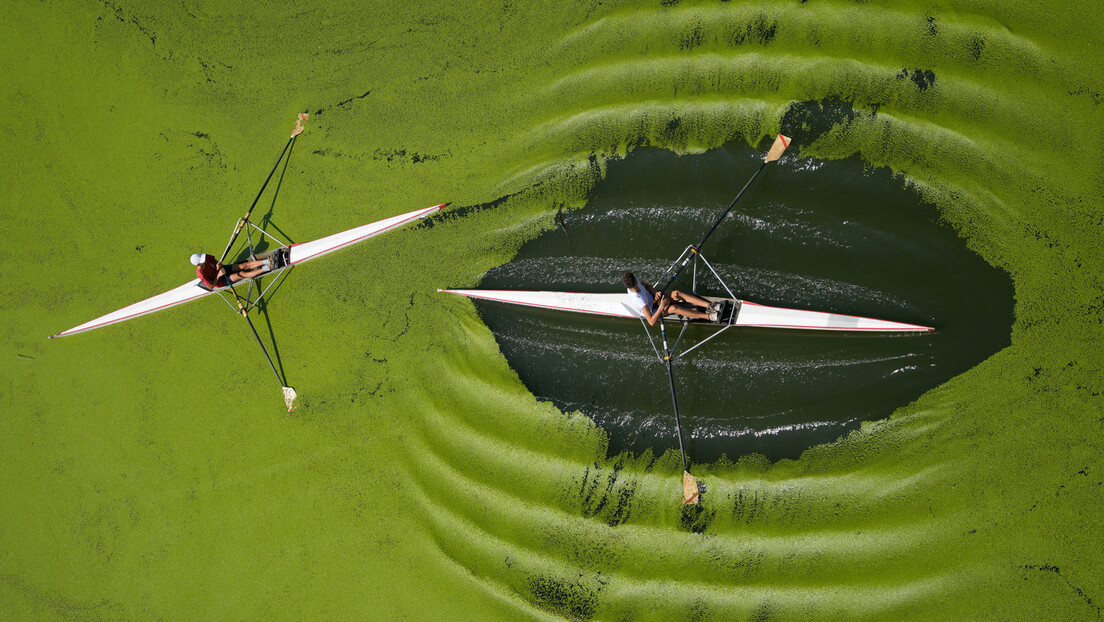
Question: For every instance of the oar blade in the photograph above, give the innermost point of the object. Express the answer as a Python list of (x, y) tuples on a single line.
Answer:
[(289, 398), (690, 491), (777, 148), (298, 129)]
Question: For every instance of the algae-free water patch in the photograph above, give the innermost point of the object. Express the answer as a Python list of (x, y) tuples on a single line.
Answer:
[(833, 236)]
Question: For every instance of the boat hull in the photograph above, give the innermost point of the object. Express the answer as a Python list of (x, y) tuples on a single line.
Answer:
[(748, 314)]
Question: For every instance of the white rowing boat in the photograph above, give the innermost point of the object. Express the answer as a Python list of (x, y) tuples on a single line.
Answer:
[(736, 312), (284, 256), (297, 254)]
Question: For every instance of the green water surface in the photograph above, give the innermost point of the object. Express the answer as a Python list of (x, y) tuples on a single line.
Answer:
[(150, 471)]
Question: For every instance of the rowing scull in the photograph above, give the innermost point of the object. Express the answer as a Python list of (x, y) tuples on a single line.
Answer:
[(298, 253), (745, 313)]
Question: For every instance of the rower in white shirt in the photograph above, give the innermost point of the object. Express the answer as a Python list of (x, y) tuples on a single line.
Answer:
[(652, 305)]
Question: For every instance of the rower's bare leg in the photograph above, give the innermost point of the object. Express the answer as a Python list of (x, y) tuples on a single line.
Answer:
[(247, 266), (688, 311), (248, 270), (689, 298)]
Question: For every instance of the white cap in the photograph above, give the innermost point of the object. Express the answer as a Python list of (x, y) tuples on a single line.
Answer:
[(198, 258)]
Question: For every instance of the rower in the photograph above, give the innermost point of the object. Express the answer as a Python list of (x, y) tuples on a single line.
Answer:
[(214, 274), (652, 305)]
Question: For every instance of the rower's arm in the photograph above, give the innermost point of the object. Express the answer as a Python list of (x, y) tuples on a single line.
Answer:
[(652, 317)]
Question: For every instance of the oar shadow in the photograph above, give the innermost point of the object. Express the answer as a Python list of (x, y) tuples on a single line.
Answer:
[(266, 220), (262, 307)]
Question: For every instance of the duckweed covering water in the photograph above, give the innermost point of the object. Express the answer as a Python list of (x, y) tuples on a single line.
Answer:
[(150, 471)]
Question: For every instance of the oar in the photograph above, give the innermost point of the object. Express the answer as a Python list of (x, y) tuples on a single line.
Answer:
[(289, 393), (245, 219), (689, 482), (690, 489), (775, 152)]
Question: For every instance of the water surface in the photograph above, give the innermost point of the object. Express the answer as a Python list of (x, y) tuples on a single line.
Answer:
[(148, 470), (834, 236)]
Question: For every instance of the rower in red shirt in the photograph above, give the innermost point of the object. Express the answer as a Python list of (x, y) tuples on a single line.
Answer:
[(214, 275)]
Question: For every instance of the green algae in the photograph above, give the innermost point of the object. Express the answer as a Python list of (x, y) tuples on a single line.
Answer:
[(149, 470)]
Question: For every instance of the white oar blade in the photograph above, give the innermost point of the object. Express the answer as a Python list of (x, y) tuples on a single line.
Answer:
[(289, 398), (777, 148)]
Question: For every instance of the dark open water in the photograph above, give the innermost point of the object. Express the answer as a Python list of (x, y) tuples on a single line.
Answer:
[(830, 236)]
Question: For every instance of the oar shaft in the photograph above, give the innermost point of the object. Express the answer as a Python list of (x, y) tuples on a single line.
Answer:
[(678, 422), (730, 206), (694, 250), (776, 150), (264, 349), (245, 314), (674, 398)]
